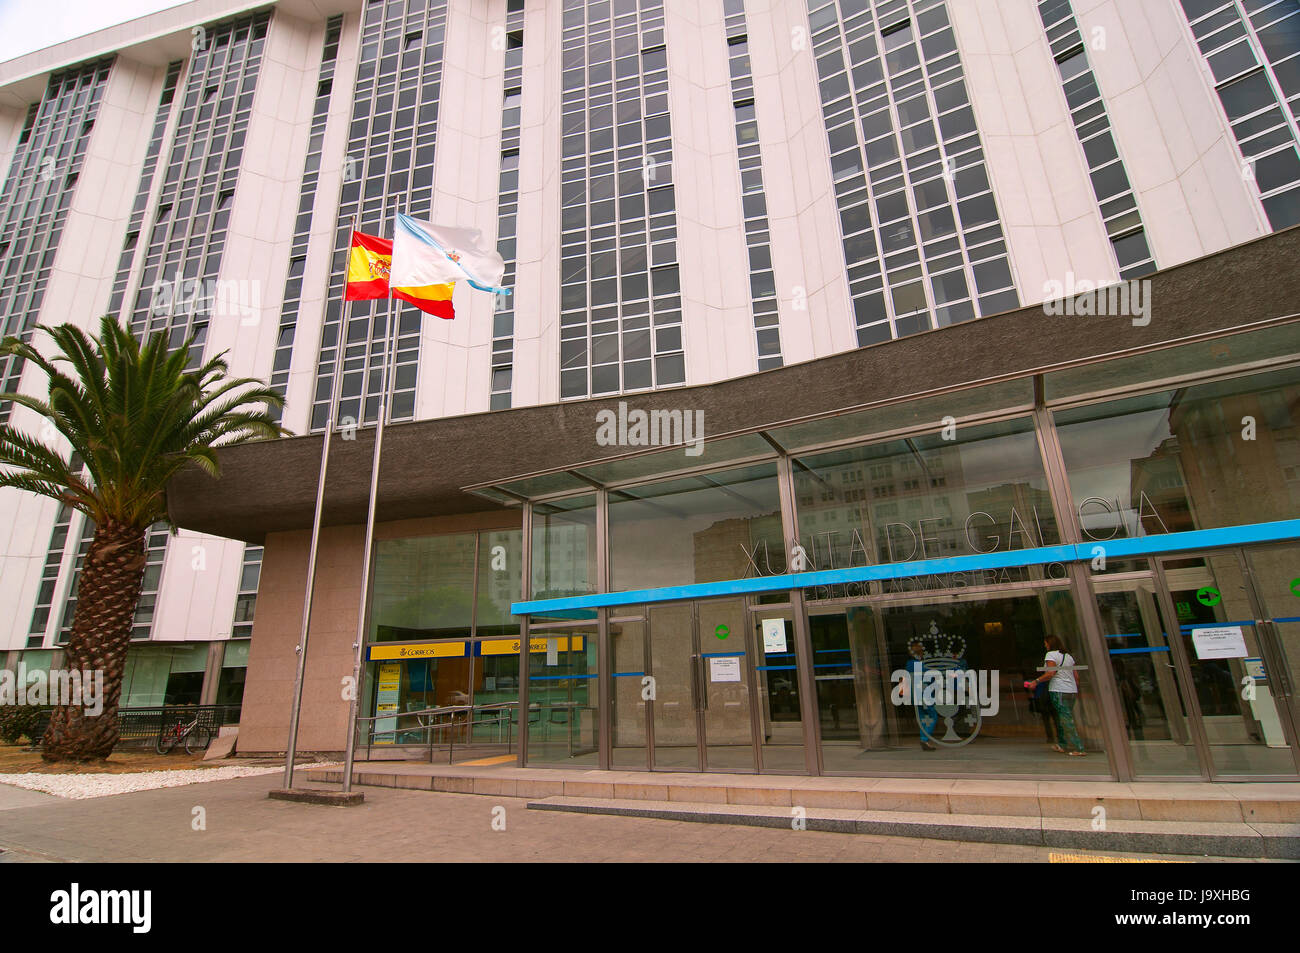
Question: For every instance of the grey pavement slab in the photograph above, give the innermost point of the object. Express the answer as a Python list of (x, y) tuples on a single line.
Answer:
[(1174, 801), (1224, 839), (14, 797), (240, 823)]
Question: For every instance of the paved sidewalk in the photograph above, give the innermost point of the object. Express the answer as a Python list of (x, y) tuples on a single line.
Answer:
[(242, 824), (14, 797)]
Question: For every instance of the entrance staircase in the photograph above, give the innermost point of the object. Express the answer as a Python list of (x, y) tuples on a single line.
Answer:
[(1254, 820)]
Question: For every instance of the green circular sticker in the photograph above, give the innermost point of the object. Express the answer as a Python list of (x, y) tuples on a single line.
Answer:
[(1208, 596), (1295, 587), (722, 631)]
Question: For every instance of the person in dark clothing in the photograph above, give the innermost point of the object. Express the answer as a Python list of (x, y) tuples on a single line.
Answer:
[(1040, 703)]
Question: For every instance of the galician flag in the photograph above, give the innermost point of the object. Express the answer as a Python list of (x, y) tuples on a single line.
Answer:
[(427, 255)]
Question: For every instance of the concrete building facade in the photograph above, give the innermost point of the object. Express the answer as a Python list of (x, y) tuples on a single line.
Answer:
[(684, 194)]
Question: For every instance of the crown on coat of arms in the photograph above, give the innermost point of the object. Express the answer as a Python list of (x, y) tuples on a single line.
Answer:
[(939, 645)]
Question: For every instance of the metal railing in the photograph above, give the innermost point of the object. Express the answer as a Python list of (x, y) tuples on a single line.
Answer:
[(143, 726), (430, 721)]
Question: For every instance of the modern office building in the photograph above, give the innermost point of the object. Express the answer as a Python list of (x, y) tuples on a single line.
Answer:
[(803, 426)]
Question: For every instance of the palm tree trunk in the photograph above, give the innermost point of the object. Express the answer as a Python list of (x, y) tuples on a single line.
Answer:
[(107, 591)]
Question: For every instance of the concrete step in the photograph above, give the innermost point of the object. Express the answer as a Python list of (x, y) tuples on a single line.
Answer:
[(1215, 839), (1271, 803)]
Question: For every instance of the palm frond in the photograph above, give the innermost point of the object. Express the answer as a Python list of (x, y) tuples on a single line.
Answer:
[(136, 413)]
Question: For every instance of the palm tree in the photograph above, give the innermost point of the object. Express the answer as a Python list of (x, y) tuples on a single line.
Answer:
[(134, 415)]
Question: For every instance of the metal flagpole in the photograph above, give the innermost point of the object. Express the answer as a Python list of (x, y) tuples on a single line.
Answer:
[(292, 748), (390, 335)]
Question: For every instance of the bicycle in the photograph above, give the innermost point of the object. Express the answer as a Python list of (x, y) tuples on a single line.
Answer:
[(196, 737)]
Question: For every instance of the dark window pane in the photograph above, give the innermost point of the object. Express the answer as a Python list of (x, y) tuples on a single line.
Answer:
[(1276, 170), (1131, 248), (1233, 60), (1283, 210), (1246, 95)]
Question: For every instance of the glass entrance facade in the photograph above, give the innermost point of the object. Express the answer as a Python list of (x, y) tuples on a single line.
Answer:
[(1088, 573)]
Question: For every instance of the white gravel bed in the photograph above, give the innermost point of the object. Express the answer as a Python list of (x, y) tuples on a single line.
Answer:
[(80, 786)]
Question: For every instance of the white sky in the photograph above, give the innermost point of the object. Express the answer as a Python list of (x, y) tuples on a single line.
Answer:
[(28, 25)]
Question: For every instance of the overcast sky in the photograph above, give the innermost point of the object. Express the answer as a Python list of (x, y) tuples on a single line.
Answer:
[(27, 25)]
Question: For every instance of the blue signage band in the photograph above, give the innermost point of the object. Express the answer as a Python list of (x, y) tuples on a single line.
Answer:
[(1244, 535)]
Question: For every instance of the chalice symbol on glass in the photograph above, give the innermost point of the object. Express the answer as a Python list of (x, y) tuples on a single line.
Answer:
[(947, 707)]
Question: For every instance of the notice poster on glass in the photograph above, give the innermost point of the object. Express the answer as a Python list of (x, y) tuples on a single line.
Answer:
[(389, 688), (774, 635), (1224, 641), (724, 669)]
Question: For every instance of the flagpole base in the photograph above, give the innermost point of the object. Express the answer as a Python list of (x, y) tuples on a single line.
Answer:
[(330, 798)]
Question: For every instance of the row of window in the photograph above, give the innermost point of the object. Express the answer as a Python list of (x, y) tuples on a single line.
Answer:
[(620, 302), (1110, 182), (389, 163), (1252, 50), (49, 577), (292, 299), (131, 241), (910, 182), (37, 194), (758, 241), (250, 574), (188, 235), (503, 319)]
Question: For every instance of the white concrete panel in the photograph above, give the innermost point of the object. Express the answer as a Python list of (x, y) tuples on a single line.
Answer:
[(301, 389), (717, 322), (456, 355), (1170, 129)]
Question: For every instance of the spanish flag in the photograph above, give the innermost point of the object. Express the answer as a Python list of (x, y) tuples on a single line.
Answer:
[(369, 267), (431, 299), (369, 263)]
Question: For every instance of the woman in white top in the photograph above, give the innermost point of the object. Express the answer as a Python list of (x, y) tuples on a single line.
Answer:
[(1063, 691)]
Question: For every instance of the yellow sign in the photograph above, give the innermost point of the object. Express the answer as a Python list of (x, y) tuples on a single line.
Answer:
[(511, 646), (428, 650), (390, 690)]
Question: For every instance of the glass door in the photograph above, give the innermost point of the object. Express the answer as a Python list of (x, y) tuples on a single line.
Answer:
[(563, 727), (777, 709), (935, 686), (673, 665), (724, 691), (1145, 664), (630, 695), (1275, 579), (700, 672), (1227, 646)]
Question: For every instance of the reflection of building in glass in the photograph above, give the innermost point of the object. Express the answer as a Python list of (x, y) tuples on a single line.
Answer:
[(1230, 474), (1158, 493), (919, 503)]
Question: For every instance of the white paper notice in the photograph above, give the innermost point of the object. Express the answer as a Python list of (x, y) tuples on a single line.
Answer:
[(774, 635), (552, 651), (724, 669), (1223, 641)]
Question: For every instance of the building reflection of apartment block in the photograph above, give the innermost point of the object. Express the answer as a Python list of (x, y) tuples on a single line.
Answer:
[(1240, 460), (1157, 500), (1240, 454), (847, 509)]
